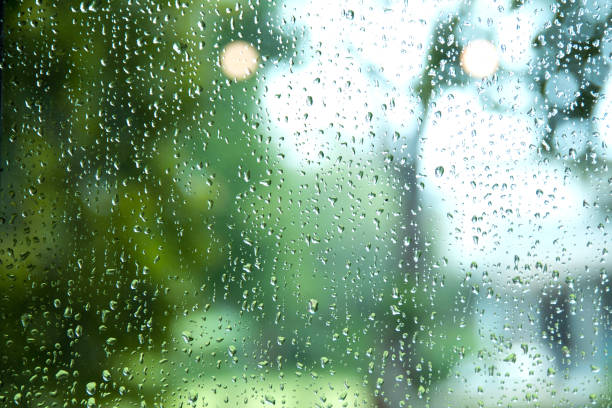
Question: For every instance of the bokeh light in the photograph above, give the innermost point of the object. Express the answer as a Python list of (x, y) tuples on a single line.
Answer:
[(479, 58), (239, 60)]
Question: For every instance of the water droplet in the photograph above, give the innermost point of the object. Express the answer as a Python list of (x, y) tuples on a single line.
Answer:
[(324, 361), (313, 306), (90, 388), (187, 336), (510, 358)]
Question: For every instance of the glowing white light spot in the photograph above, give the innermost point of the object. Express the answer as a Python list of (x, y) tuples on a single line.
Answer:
[(239, 60), (479, 58)]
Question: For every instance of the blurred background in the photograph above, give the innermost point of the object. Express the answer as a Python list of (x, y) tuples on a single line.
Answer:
[(304, 203)]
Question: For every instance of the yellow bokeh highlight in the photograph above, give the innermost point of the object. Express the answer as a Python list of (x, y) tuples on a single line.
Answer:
[(239, 60)]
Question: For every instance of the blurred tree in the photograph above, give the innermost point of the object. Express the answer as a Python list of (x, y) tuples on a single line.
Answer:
[(121, 141)]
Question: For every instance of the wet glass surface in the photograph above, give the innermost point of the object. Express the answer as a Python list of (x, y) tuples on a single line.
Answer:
[(328, 204)]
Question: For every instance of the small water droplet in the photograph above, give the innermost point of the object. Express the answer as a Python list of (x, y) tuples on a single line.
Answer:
[(313, 306), (90, 388), (510, 358), (349, 14), (61, 374), (324, 361), (187, 336)]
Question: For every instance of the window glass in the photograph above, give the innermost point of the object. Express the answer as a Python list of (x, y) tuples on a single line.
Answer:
[(366, 203)]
